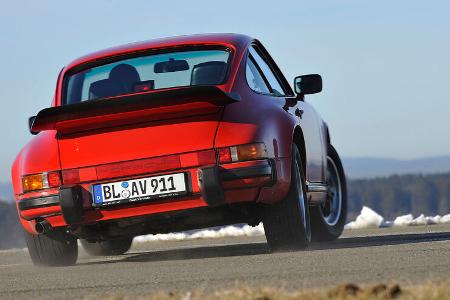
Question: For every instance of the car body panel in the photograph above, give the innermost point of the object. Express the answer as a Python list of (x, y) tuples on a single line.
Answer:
[(128, 142)]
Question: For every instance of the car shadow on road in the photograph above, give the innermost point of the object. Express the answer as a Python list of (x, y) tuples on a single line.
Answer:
[(216, 251)]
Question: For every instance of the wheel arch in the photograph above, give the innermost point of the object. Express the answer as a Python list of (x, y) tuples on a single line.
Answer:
[(327, 135), (299, 140)]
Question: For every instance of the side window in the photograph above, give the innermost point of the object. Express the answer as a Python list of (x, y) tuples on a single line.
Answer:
[(277, 88), (254, 78)]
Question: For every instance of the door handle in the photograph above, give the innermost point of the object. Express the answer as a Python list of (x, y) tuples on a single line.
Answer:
[(299, 112)]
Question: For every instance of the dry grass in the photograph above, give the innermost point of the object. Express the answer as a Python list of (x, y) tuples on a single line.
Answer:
[(428, 291)]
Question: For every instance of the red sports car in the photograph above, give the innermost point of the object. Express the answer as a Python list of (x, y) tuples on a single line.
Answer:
[(177, 134)]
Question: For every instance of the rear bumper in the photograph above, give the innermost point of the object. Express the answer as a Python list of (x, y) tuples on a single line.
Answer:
[(212, 179), (211, 186), (40, 202)]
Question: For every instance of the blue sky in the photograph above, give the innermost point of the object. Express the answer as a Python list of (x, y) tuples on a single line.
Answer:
[(385, 64)]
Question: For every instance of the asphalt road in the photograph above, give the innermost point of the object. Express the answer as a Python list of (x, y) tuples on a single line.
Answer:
[(408, 255)]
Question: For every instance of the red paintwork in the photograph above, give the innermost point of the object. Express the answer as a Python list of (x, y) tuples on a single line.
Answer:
[(161, 144), (128, 144)]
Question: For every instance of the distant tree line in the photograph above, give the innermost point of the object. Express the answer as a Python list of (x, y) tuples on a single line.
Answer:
[(390, 196), (401, 194)]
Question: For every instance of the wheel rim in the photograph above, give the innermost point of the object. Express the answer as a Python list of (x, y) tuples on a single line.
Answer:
[(331, 209), (302, 205)]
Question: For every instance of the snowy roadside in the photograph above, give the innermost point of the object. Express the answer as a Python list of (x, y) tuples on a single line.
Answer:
[(219, 232), (367, 218)]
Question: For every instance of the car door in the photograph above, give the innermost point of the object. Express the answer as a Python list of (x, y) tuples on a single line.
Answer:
[(304, 113)]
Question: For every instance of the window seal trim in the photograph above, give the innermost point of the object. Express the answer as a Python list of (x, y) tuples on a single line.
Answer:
[(259, 48), (263, 77), (261, 73), (276, 72)]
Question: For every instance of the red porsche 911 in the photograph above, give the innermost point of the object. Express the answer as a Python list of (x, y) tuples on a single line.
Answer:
[(177, 134)]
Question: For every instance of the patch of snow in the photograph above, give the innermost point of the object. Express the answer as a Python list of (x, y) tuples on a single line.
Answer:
[(408, 220), (403, 220), (445, 219), (226, 231), (369, 218), (366, 219)]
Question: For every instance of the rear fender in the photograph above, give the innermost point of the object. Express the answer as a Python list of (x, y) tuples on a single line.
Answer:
[(39, 155), (242, 124), (269, 123)]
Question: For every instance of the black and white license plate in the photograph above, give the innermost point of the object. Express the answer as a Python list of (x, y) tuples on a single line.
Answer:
[(139, 189)]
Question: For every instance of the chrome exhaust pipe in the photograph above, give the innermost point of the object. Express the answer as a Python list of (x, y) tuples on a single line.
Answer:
[(43, 227)]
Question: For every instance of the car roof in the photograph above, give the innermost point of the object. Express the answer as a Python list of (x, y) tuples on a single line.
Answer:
[(237, 41)]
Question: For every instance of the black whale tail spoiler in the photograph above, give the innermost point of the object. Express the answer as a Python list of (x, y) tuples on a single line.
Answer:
[(132, 108)]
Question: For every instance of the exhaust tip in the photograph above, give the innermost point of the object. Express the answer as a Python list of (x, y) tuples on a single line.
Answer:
[(42, 227)]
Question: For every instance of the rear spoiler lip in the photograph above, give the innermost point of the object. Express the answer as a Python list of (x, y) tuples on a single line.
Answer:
[(47, 118)]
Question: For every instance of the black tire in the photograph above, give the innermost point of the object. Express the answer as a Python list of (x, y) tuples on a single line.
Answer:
[(52, 249), (328, 220), (107, 248), (286, 223)]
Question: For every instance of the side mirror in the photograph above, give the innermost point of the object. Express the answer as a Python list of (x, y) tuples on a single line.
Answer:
[(30, 125), (308, 84)]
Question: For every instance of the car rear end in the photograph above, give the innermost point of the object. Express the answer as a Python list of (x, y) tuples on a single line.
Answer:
[(137, 150), (146, 187)]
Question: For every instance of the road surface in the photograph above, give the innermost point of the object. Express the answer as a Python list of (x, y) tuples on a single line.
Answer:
[(405, 255)]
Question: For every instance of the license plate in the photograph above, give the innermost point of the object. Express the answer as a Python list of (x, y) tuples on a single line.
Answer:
[(141, 189)]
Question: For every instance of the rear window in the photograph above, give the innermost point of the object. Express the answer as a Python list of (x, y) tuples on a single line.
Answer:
[(145, 73)]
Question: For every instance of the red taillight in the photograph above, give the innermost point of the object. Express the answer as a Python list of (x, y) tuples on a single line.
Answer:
[(54, 179), (224, 155)]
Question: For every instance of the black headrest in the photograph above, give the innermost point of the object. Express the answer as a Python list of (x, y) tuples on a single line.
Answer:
[(212, 72), (122, 79), (126, 75)]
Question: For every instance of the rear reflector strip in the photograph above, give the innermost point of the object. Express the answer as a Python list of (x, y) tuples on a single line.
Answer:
[(207, 157), (138, 167), (71, 176)]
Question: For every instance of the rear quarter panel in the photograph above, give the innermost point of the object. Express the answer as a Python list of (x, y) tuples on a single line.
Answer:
[(259, 118), (266, 118)]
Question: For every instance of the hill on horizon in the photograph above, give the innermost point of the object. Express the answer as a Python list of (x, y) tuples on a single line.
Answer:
[(371, 167)]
